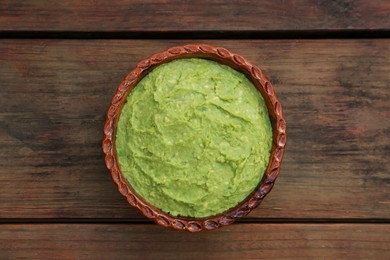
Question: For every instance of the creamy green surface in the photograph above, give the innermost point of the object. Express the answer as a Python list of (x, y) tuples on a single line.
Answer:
[(194, 137)]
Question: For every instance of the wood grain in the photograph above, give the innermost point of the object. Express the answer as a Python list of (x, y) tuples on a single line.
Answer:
[(176, 15), (54, 95), (245, 241)]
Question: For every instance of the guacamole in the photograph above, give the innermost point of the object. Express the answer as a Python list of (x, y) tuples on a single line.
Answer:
[(194, 137)]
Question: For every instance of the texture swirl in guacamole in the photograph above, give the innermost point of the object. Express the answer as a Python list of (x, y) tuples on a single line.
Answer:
[(194, 138)]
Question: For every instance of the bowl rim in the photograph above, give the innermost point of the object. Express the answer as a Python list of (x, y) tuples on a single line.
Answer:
[(278, 122)]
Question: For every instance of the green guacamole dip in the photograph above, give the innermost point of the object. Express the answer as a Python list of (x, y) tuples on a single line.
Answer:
[(194, 138)]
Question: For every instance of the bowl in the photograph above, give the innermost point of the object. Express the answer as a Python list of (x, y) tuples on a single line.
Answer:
[(235, 61)]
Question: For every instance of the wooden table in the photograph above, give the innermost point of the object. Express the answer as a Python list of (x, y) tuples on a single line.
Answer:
[(60, 64)]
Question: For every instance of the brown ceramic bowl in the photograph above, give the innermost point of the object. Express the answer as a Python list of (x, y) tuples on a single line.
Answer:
[(223, 56)]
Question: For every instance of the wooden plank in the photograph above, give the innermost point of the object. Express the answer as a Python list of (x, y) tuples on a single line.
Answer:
[(176, 15), (54, 95), (251, 241)]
